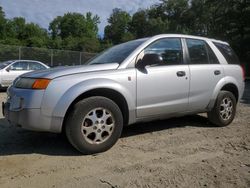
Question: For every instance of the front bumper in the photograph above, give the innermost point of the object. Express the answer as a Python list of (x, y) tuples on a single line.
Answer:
[(23, 109), (29, 119)]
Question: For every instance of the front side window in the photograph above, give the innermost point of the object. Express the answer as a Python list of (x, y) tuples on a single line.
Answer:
[(169, 49), (19, 66), (200, 52)]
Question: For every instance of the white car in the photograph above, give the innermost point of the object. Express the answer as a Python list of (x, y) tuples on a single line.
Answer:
[(9, 70)]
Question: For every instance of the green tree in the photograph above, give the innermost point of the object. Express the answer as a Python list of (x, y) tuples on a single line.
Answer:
[(75, 31), (35, 36), (55, 42), (157, 26), (174, 12), (18, 32), (75, 25), (2, 23), (148, 23), (139, 24), (55, 27), (118, 24), (231, 23), (15, 28)]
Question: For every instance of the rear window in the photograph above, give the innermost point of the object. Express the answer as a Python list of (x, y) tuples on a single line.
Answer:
[(228, 53)]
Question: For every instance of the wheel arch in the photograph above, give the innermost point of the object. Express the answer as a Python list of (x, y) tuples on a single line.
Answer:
[(232, 88), (109, 93), (225, 84)]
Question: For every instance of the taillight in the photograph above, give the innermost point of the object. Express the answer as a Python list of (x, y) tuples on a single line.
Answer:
[(243, 71)]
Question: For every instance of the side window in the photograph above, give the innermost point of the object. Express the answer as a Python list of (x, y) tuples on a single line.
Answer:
[(200, 52), (35, 66), (228, 53), (19, 66), (197, 51), (212, 57), (169, 49)]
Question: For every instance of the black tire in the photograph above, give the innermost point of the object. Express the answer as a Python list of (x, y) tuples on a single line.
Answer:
[(214, 115), (74, 125)]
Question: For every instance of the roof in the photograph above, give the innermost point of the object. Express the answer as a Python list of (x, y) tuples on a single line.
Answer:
[(189, 36)]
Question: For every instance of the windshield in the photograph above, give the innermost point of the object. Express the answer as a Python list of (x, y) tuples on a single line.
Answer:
[(116, 54), (5, 64)]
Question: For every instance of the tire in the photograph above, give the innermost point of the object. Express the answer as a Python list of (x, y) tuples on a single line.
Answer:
[(94, 125), (224, 109)]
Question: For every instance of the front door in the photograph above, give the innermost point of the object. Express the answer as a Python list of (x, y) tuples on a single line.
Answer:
[(163, 88)]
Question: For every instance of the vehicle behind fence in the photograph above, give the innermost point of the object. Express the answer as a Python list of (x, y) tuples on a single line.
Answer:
[(51, 57)]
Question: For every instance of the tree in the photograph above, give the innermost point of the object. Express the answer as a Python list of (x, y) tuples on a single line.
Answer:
[(118, 25), (2, 23), (75, 31), (27, 34), (75, 25), (232, 17), (157, 26), (174, 12), (55, 27), (15, 28), (149, 22), (139, 24)]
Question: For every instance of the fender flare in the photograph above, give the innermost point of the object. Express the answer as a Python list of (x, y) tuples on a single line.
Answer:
[(224, 81)]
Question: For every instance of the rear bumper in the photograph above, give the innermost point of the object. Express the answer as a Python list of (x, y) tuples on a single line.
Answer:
[(31, 119)]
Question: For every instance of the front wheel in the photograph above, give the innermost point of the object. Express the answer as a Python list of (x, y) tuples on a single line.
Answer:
[(94, 125), (224, 109)]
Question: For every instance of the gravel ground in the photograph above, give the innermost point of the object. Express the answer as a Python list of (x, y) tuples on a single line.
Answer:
[(179, 152)]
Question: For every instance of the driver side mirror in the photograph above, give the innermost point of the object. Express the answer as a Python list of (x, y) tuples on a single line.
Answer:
[(149, 59), (8, 69)]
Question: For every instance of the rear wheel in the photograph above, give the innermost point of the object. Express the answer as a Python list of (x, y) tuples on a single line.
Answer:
[(94, 125), (224, 109)]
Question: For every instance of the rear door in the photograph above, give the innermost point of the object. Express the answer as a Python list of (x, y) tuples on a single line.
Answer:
[(205, 72), (36, 66), (163, 88)]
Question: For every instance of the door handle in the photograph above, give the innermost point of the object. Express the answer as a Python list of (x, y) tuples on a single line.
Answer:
[(181, 73), (217, 72)]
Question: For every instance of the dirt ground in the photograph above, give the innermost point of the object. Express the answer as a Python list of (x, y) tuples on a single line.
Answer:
[(180, 152)]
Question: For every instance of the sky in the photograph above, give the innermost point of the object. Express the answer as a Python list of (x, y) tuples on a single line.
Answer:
[(43, 12)]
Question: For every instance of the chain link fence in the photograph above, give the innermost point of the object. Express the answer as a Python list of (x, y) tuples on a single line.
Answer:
[(51, 57)]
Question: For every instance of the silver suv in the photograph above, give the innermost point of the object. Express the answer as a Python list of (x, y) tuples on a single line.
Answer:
[(142, 80)]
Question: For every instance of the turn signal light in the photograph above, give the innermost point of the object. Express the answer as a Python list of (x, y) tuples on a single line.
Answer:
[(41, 83)]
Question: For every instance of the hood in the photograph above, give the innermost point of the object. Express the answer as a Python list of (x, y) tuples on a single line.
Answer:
[(63, 71)]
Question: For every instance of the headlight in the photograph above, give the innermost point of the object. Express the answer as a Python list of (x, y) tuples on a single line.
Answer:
[(32, 83)]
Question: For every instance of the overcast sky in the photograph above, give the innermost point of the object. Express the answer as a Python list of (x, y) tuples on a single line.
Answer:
[(43, 12)]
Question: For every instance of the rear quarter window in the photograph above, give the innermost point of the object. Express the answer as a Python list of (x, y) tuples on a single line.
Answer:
[(228, 53), (200, 52)]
